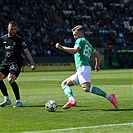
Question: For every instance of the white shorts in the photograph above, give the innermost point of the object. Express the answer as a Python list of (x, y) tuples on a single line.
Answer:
[(81, 76)]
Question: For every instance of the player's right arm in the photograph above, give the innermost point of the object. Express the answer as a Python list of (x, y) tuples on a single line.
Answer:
[(73, 50)]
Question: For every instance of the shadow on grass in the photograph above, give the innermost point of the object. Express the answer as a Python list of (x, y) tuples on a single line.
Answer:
[(117, 109), (38, 106), (83, 108), (106, 109), (24, 106)]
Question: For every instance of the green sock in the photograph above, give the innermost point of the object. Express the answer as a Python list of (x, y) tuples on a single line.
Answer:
[(98, 91), (68, 91)]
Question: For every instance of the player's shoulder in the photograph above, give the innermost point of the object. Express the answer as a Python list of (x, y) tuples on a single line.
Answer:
[(80, 42), (82, 39), (4, 36), (19, 37)]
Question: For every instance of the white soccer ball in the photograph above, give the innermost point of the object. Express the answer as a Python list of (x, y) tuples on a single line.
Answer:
[(51, 106)]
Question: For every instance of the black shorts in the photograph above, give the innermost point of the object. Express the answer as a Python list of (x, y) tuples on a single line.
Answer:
[(11, 67)]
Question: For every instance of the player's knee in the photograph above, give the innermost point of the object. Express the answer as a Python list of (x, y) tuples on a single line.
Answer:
[(2, 76), (63, 84), (86, 89), (11, 79)]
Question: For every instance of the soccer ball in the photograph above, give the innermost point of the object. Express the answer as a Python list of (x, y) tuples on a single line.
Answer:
[(51, 106)]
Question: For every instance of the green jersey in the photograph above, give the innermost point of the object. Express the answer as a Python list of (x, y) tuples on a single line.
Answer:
[(82, 57)]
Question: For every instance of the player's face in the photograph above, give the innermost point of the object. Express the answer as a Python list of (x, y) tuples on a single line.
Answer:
[(76, 34), (11, 30)]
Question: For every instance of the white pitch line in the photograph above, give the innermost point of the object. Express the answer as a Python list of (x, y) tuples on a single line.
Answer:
[(76, 128)]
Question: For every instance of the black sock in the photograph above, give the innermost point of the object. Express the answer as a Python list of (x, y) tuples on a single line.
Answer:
[(3, 88), (15, 90)]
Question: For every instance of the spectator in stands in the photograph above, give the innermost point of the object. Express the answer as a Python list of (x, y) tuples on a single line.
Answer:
[(101, 18)]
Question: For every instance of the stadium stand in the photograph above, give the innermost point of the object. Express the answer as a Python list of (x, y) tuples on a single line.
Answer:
[(42, 23)]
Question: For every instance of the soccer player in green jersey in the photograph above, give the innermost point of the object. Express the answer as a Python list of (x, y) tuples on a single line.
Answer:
[(82, 52)]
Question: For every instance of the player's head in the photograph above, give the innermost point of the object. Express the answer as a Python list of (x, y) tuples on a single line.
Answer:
[(12, 28), (78, 32)]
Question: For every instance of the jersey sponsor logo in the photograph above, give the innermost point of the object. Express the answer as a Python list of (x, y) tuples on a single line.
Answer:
[(4, 42), (9, 53), (8, 47)]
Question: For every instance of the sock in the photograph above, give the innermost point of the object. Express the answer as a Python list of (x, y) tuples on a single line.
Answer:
[(6, 97), (108, 96), (3, 88), (18, 101), (15, 90), (71, 98), (68, 91), (97, 91)]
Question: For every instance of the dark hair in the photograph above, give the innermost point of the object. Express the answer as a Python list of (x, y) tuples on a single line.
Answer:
[(13, 23)]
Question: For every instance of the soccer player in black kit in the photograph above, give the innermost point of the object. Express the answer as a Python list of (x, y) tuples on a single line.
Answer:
[(13, 46)]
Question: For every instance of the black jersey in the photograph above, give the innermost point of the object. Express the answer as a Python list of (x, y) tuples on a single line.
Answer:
[(13, 48)]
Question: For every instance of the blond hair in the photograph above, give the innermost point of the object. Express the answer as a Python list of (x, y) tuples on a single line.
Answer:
[(78, 28)]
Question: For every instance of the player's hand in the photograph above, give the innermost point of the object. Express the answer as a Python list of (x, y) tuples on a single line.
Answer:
[(33, 67), (97, 69), (59, 46)]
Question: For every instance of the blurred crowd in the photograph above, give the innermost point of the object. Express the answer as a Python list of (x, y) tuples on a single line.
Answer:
[(43, 23)]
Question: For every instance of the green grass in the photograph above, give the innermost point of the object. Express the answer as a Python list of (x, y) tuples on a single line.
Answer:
[(91, 111)]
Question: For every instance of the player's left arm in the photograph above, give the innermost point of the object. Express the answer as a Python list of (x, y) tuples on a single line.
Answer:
[(0, 49), (33, 66), (1, 46), (73, 50), (97, 59)]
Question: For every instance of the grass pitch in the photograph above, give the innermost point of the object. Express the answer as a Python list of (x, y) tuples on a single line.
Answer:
[(93, 114)]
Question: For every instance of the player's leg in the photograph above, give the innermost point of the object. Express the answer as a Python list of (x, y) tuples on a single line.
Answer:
[(68, 91), (95, 90), (100, 92), (22, 69), (66, 87), (84, 79), (13, 74), (3, 89)]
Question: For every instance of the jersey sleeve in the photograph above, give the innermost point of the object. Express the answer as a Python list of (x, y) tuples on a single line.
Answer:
[(93, 49)]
